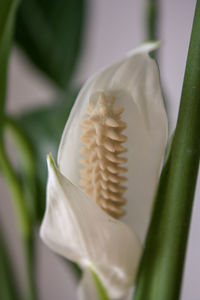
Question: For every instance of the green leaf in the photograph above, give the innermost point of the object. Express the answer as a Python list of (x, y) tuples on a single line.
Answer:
[(151, 20), (26, 168), (43, 129), (7, 17), (162, 263), (8, 289), (50, 33)]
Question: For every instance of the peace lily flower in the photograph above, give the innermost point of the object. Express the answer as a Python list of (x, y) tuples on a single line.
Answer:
[(85, 195)]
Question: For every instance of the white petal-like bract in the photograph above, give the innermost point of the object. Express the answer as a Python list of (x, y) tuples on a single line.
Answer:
[(75, 227)]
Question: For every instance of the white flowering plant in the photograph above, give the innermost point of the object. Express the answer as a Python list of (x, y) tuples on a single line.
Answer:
[(75, 224), (119, 195)]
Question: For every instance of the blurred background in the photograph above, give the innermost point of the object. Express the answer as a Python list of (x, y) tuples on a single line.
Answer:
[(108, 29)]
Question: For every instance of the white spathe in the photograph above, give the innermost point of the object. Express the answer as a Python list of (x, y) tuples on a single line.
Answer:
[(134, 82), (88, 291), (74, 226)]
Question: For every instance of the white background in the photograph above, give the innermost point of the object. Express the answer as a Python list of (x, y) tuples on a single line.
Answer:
[(113, 28)]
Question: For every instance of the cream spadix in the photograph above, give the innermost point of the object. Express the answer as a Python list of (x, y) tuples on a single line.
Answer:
[(102, 138), (75, 225)]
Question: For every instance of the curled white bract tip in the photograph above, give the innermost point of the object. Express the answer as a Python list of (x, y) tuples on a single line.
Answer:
[(146, 47)]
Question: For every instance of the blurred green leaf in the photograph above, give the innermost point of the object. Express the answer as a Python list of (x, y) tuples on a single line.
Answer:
[(50, 33), (8, 290), (43, 129), (7, 16), (26, 168)]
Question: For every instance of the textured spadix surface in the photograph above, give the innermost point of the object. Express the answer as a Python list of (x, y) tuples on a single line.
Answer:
[(74, 226), (102, 140)]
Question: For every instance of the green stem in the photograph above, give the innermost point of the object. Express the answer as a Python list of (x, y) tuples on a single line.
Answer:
[(16, 191), (23, 218), (7, 18), (27, 163), (30, 267), (23, 143), (161, 268), (152, 22), (9, 289)]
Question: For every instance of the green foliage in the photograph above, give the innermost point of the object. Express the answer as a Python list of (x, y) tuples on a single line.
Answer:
[(50, 33), (43, 128), (8, 289), (7, 17), (26, 169)]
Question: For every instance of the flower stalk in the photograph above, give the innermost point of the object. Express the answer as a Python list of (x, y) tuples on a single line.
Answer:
[(162, 264), (8, 11), (24, 223), (151, 20), (27, 165), (29, 255)]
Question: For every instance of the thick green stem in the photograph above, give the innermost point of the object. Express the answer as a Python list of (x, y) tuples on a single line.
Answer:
[(161, 269)]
